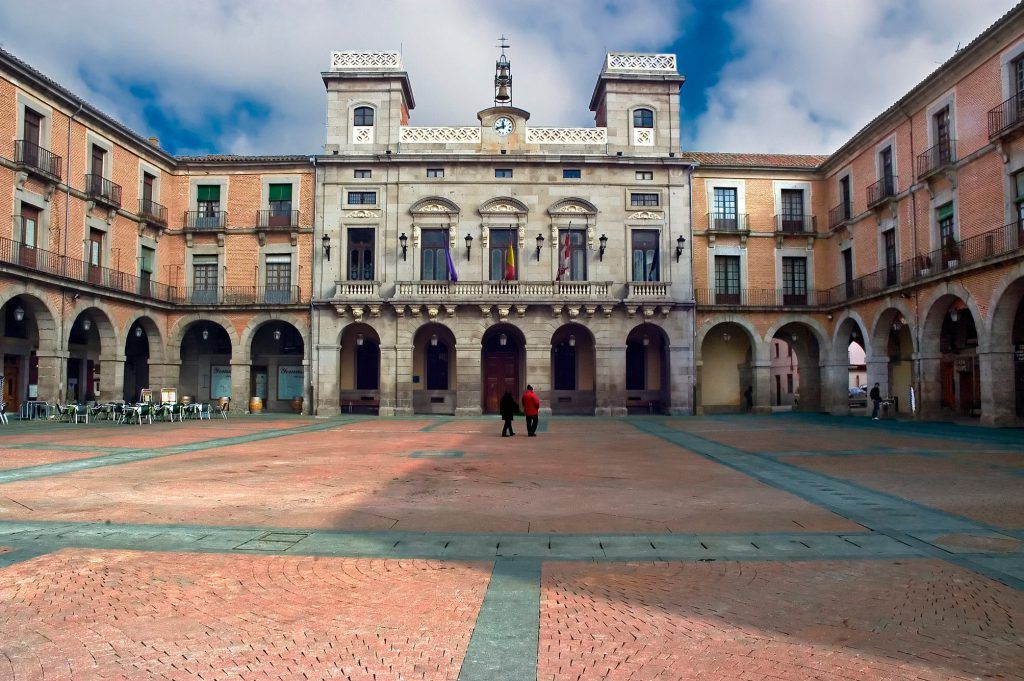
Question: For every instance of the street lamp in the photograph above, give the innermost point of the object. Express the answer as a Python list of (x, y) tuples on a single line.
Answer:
[(469, 244), (326, 241), (19, 314), (604, 244), (540, 242), (403, 241), (277, 334), (679, 246)]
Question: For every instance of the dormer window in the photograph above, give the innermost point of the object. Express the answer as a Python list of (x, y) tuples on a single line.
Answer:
[(362, 125), (643, 127)]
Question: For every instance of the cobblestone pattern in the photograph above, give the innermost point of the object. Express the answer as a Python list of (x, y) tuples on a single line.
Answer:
[(757, 621), (94, 614)]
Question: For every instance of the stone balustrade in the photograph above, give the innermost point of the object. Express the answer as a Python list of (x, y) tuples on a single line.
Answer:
[(512, 291)]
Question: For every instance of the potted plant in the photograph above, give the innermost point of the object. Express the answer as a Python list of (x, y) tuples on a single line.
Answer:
[(951, 252), (924, 264)]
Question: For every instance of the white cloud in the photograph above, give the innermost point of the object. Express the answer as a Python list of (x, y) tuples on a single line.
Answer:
[(202, 58), (811, 73)]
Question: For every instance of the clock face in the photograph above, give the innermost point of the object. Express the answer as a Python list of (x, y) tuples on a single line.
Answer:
[(503, 126)]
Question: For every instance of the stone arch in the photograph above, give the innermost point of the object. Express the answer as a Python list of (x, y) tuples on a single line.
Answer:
[(139, 354), (573, 369), (100, 315), (936, 306), (818, 331), (949, 361), (844, 326), (810, 345), (725, 351), (153, 336), (739, 320), (257, 321), (884, 321), (1006, 297), (648, 370), (182, 324), (503, 363), (34, 301), (360, 367), (435, 361)]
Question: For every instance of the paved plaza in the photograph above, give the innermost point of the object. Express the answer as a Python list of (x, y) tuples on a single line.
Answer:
[(731, 547)]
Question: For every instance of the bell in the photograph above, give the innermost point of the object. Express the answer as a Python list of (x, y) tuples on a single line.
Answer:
[(503, 71), (502, 94)]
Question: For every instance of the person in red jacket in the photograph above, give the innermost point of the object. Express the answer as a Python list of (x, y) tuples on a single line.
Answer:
[(531, 409)]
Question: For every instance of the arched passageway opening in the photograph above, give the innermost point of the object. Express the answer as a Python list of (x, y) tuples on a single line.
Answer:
[(573, 370), (647, 370), (276, 375), (359, 381), (205, 373), (726, 369), (502, 365), (434, 377), (795, 358)]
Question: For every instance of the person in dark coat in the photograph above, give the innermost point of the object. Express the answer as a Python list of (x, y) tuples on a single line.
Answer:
[(748, 395), (508, 409), (876, 399)]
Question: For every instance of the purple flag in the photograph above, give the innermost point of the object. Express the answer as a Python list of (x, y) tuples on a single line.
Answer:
[(452, 274)]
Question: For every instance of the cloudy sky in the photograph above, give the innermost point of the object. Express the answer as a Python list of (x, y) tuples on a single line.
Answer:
[(243, 77)]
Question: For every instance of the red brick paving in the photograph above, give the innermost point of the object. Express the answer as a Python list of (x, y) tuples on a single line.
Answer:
[(757, 621), (20, 458), (951, 484), (760, 435), (584, 476), (120, 614)]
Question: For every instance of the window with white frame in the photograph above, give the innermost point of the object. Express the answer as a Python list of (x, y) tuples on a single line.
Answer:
[(362, 125)]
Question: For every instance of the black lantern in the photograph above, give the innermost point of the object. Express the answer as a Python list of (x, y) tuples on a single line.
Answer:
[(540, 243), (679, 246), (604, 245), (469, 244), (404, 241), (326, 241)]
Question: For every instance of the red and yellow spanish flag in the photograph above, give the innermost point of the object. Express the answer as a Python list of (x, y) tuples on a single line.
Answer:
[(510, 265)]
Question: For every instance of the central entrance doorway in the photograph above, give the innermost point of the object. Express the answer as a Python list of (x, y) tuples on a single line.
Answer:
[(502, 362)]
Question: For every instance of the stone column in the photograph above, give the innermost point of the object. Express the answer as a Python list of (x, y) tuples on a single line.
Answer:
[(611, 380), (762, 387), (537, 373), (307, 387), (52, 367), (468, 381), (878, 372), (998, 389), (326, 389), (680, 377), (929, 380), (112, 378), (241, 373), (162, 374), (835, 398), (387, 386), (400, 377)]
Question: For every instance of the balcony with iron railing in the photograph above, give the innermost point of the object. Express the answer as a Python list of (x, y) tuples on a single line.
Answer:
[(883, 191), (277, 219), (153, 212), (1006, 119), (238, 295), (37, 160), (729, 223), (761, 297), (795, 224), (839, 215), (204, 220), (514, 291), (936, 159), (103, 190), (80, 272), (972, 251)]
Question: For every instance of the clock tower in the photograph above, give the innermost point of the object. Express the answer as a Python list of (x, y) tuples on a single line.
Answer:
[(504, 126)]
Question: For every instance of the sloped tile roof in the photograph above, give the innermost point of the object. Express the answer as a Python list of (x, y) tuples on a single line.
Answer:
[(717, 158), (232, 158)]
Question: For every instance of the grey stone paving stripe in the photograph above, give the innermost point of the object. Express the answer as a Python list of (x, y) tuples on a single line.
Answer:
[(132, 455), (783, 546), (505, 639), (889, 515)]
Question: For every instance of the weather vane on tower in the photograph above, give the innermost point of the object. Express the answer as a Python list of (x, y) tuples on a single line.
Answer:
[(502, 76)]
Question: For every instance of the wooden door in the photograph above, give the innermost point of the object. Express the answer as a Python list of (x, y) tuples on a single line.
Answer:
[(948, 391), (11, 383), (29, 235), (501, 374), (93, 256)]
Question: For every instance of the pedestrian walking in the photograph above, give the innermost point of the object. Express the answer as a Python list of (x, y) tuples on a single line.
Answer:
[(508, 409), (876, 400), (531, 409)]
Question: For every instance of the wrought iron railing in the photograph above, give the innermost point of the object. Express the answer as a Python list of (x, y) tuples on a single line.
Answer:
[(1006, 116), (762, 297), (36, 158), (839, 215), (153, 211), (954, 255), (727, 222), (205, 219), (64, 267), (271, 219), (102, 189), (795, 224), (936, 158), (882, 191), (238, 295)]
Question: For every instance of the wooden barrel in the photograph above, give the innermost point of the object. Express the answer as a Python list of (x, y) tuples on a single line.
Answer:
[(255, 405), (297, 405)]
